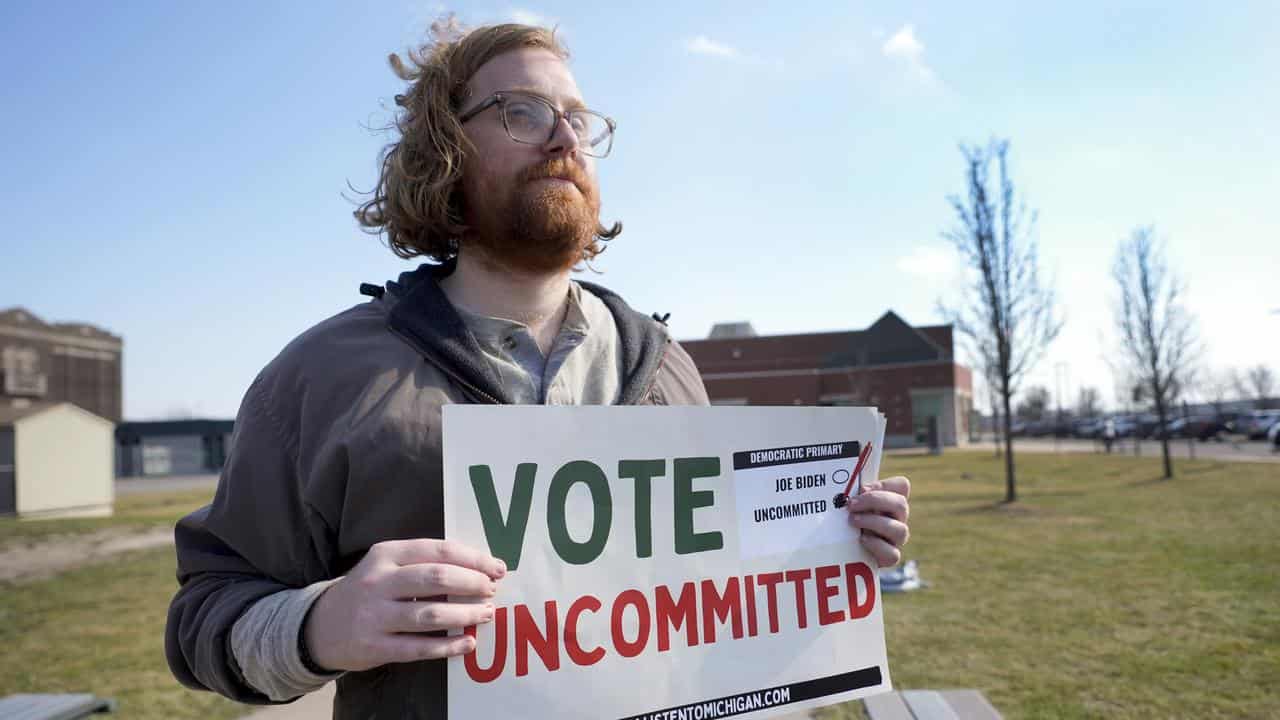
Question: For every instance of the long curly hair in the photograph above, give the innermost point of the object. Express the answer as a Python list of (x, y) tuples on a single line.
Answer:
[(418, 201)]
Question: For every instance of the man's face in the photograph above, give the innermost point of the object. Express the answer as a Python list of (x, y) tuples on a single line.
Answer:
[(532, 208)]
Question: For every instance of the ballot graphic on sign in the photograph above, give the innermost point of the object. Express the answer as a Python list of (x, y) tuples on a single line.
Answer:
[(784, 495), (697, 549)]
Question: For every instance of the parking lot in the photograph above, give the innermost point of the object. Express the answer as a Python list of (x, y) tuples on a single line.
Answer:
[(1227, 449)]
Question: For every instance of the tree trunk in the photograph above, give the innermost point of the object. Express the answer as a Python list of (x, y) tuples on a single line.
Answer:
[(1010, 487), (995, 428), (1162, 414)]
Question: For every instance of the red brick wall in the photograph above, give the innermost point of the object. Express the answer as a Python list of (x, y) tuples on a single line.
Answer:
[(889, 388)]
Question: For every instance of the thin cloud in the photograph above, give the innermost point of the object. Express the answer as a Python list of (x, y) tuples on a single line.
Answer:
[(703, 45), (928, 261), (904, 46), (529, 17)]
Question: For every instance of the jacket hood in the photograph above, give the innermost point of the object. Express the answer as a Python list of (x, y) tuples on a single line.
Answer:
[(422, 316)]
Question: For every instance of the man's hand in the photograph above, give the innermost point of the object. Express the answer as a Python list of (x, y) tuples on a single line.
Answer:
[(880, 511), (376, 613)]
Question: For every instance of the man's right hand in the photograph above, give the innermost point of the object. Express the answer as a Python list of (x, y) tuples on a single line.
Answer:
[(376, 613)]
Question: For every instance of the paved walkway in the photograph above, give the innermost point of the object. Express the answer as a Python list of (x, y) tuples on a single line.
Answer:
[(48, 557), (131, 485), (318, 704)]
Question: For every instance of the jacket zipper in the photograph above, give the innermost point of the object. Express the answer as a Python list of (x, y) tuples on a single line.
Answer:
[(444, 368)]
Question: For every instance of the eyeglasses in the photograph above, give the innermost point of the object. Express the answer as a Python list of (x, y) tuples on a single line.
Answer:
[(532, 120)]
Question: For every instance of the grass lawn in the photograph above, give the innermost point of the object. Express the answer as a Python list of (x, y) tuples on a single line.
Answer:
[(140, 511), (100, 629), (1104, 592)]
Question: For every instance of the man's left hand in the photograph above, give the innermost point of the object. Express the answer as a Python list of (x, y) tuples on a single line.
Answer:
[(880, 511)]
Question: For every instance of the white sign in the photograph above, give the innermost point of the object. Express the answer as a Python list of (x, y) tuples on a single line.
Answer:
[(665, 562)]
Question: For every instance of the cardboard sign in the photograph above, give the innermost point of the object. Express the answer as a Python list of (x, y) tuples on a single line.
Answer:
[(665, 562)]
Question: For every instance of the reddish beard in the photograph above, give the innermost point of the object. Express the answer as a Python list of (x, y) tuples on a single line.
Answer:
[(534, 225)]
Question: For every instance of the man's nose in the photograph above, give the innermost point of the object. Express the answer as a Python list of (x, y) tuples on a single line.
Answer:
[(564, 141)]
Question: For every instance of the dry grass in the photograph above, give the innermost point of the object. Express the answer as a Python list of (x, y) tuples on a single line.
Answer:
[(100, 629), (135, 511), (1104, 592)]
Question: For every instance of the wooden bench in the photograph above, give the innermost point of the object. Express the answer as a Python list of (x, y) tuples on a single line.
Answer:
[(930, 705), (53, 707)]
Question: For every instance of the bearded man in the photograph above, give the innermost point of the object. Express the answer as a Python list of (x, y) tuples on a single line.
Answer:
[(321, 555)]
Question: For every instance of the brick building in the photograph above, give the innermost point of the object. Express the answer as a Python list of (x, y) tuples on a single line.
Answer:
[(60, 362), (910, 373)]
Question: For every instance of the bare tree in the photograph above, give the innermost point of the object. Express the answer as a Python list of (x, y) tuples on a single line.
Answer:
[(855, 386), (1157, 335), (1216, 388), (1034, 404), (1258, 383), (1008, 314), (1089, 402), (1263, 381)]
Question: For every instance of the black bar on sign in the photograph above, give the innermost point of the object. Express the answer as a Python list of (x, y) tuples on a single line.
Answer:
[(799, 692), (816, 452)]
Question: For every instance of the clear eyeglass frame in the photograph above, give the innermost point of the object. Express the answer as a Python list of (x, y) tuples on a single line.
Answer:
[(594, 130)]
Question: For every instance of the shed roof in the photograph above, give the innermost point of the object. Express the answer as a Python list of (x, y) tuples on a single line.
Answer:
[(10, 414)]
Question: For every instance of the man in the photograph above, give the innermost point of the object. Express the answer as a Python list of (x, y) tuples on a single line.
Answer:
[(320, 556)]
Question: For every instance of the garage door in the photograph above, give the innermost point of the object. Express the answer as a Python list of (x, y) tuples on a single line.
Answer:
[(8, 500)]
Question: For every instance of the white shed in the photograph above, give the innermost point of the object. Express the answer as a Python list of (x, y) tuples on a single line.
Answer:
[(56, 460)]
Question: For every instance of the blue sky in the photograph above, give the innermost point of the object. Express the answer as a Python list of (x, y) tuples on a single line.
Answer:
[(174, 172)]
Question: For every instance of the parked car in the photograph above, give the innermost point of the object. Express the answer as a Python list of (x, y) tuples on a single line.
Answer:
[(1229, 419), (1256, 424), (1200, 427), (1088, 428), (1125, 427), (1035, 428), (1273, 435), (1147, 426)]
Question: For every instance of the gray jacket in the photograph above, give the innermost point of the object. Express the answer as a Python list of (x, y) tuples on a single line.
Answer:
[(336, 448)]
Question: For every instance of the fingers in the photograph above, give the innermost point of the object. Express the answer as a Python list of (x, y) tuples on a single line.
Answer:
[(419, 617), (423, 550), (894, 532), (881, 511), (427, 580), (885, 554), (881, 501), (411, 648), (897, 484)]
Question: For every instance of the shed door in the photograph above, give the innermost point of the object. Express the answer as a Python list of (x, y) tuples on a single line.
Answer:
[(8, 487)]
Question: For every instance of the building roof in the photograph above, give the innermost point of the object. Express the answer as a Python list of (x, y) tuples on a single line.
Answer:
[(13, 412), (732, 330), (155, 428), (19, 410), (21, 318), (889, 340)]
